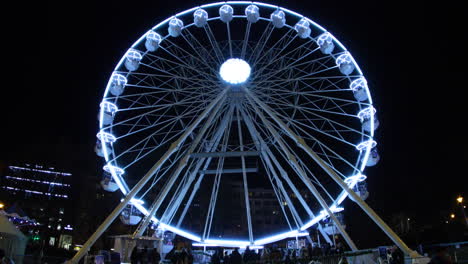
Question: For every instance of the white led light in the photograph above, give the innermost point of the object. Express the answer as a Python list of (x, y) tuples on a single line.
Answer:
[(235, 71)]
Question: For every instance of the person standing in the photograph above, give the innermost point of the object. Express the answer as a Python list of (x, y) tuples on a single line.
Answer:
[(441, 257), (135, 256), (236, 257), (155, 257)]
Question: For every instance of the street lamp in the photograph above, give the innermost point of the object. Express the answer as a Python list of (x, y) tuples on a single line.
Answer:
[(2, 205), (452, 216), (460, 199)]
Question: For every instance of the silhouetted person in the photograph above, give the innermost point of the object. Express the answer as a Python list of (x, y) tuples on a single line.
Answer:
[(441, 257), (216, 259), (397, 255), (135, 256), (235, 257), (155, 257), (248, 255)]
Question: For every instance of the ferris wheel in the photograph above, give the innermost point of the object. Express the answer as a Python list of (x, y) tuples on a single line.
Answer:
[(242, 94)]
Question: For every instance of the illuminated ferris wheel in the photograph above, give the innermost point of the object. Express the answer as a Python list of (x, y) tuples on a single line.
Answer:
[(238, 92)]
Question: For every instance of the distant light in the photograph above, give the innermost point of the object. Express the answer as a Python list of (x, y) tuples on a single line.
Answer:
[(235, 71), (452, 216), (2, 205), (460, 199)]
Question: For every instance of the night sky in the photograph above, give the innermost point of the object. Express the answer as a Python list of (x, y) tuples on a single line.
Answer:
[(63, 53)]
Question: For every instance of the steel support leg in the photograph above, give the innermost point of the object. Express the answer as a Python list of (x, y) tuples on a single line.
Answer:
[(172, 149), (369, 211), (182, 163), (294, 164)]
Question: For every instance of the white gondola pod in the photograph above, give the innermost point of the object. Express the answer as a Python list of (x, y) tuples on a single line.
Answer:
[(346, 63), (132, 60), (252, 12), (359, 88), (99, 148), (325, 42), (107, 184), (366, 115), (117, 84), (175, 27), (278, 18), (226, 13), (200, 18), (361, 190), (107, 112), (153, 40), (374, 158), (130, 215), (303, 28)]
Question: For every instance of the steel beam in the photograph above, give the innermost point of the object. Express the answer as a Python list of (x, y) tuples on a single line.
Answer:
[(172, 149), (364, 206), (224, 154)]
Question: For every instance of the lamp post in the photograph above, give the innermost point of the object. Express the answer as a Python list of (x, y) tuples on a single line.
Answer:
[(460, 202)]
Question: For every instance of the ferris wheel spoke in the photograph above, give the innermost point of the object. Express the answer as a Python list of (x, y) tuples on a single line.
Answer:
[(297, 168), (264, 150), (274, 46), (277, 57), (220, 131), (200, 60), (214, 43), (201, 57), (201, 46), (259, 47), (168, 77), (246, 39), (228, 28), (214, 108), (294, 65)]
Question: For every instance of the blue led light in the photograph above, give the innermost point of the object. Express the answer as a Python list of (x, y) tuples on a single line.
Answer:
[(106, 137), (235, 71), (113, 169), (366, 113), (108, 107), (366, 144), (352, 180)]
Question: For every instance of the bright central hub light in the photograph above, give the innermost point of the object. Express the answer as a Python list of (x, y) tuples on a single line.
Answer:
[(235, 71)]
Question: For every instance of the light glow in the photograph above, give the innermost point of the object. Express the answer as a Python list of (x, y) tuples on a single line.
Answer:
[(293, 233), (366, 145), (352, 180), (106, 137), (235, 71), (366, 113)]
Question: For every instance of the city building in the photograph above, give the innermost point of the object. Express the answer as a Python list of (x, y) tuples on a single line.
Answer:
[(42, 193)]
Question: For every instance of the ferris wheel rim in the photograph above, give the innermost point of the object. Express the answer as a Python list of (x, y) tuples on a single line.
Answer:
[(124, 188)]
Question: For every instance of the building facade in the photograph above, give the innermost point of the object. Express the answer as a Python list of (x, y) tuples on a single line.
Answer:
[(42, 193)]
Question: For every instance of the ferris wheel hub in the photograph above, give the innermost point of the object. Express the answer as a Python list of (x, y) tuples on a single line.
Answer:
[(235, 71)]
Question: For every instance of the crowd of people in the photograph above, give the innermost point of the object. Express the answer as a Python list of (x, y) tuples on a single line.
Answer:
[(145, 255), (274, 254)]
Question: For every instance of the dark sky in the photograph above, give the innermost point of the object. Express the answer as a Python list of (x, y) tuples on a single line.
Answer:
[(63, 53)]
